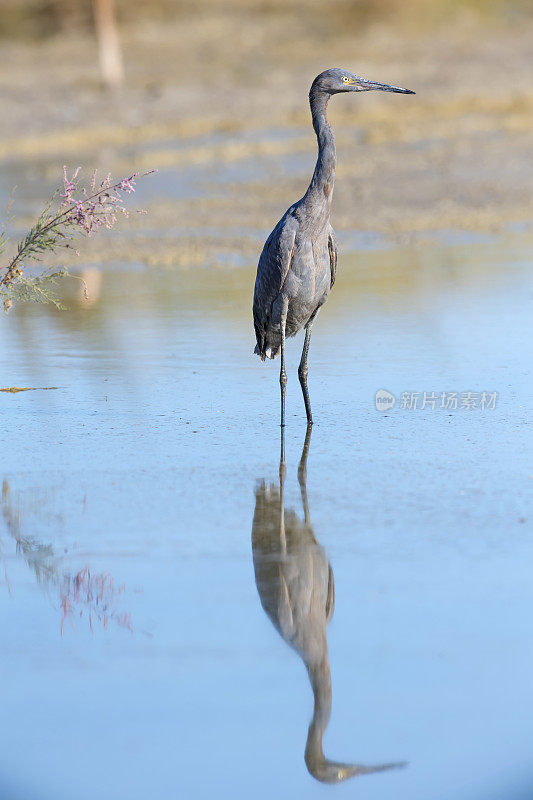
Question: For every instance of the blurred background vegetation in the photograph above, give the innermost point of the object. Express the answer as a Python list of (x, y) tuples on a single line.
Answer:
[(37, 18), (213, 93)]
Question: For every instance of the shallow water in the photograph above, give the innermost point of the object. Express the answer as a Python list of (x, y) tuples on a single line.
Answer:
[(137, 658)]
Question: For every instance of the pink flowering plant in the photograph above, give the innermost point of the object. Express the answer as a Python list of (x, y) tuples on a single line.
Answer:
[(79, 210), (81, 595)]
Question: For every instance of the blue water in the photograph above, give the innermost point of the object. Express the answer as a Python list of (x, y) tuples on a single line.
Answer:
[(129, 497)]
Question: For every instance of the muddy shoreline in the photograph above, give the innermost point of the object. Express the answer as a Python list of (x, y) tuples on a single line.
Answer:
[(231, 138)]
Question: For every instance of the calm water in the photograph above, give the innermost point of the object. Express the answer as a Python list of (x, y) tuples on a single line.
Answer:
[(137, 658)]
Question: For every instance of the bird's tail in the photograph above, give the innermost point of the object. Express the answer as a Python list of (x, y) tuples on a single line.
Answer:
[(258, 352), (268, 352)]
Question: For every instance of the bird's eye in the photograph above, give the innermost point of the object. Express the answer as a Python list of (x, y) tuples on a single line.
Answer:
[(345, 78)]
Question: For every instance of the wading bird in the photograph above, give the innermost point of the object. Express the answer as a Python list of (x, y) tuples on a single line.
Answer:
[(299, 260), (295, 584)]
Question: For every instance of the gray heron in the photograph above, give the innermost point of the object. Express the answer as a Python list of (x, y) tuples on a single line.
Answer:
[(297, 266)]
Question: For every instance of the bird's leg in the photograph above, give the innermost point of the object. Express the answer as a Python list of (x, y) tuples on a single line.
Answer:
[(282, 373), (282, 465), (302, 474), (302, 372), (282, 471)]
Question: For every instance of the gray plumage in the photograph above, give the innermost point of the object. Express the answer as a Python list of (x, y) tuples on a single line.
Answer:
[(298, 264)]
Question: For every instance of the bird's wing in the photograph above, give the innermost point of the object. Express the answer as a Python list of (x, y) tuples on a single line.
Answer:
[(285, 615), (332, 247), (330, 602), (272, 270)]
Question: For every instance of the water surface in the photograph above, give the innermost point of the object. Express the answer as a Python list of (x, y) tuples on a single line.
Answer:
[(138, 660)]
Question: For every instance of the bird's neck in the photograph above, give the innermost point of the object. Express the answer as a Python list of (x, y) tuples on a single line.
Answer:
[(320, 677), (323, 179)]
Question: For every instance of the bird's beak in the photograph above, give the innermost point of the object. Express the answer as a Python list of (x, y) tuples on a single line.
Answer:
[(327, 771), (362, 85)]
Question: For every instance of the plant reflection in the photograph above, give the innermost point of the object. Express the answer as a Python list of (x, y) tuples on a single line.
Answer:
[(296, 588), (81, 595)]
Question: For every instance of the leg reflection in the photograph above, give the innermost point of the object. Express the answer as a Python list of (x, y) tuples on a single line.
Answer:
[(296, 588)]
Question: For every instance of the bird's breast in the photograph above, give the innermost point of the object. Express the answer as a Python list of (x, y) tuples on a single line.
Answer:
[(307, 284)]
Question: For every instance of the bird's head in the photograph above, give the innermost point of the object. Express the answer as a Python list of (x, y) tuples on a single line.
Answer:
[(327, 771), (334, 81)]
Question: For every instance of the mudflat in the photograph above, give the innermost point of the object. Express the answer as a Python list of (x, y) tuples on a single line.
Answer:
[(216, 99)]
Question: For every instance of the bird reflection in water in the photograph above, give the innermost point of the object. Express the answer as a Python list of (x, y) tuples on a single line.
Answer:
[(296, 587)]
